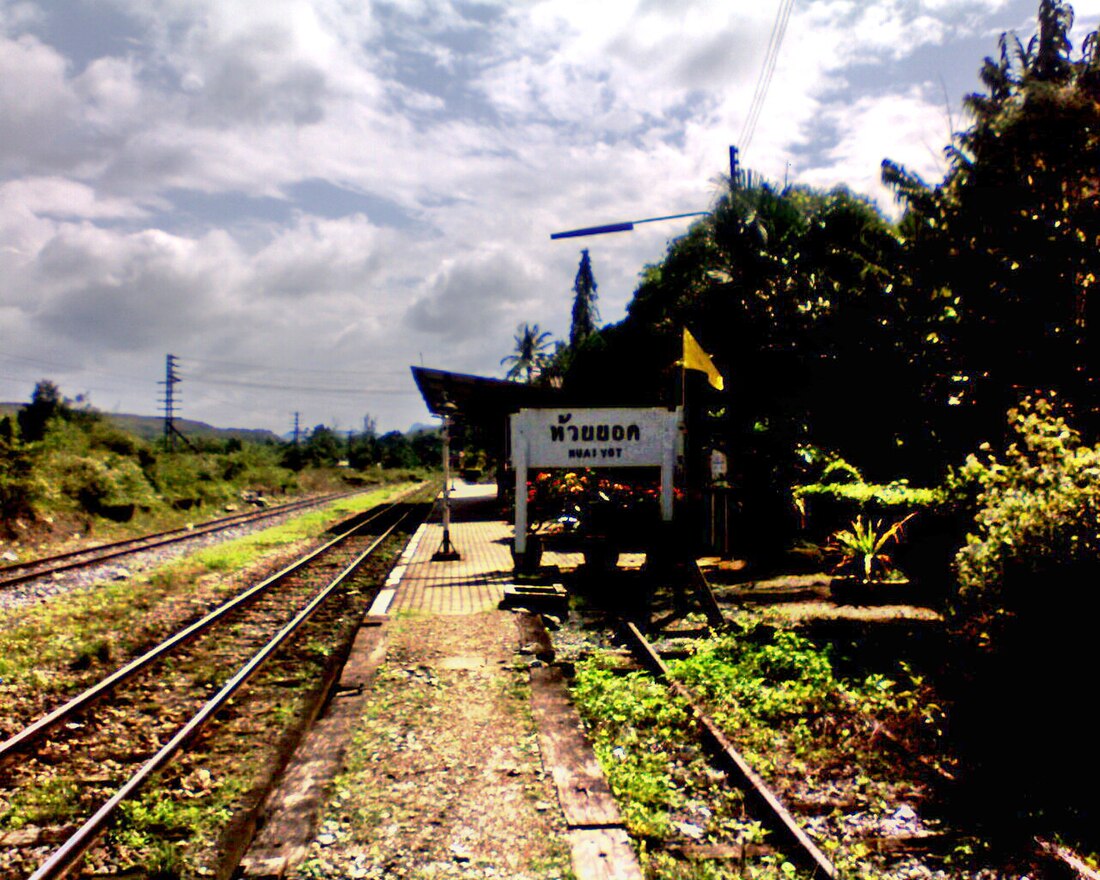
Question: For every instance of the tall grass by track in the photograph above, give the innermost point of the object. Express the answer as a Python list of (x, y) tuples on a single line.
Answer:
[(46, 648)]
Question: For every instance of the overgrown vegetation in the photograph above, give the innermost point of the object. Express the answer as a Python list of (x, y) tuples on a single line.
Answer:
[(864, 359), (1023, 612), (1038, 510), (61, 462), (780, 699)]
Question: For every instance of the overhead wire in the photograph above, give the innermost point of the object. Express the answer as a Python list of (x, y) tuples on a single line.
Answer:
[(267, 368), (767, 71), (280, 386)]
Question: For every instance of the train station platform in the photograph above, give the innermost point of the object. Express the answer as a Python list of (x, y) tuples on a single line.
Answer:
[(468, 585)]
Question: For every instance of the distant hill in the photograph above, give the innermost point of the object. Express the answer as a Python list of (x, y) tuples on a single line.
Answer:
[(152, 427)]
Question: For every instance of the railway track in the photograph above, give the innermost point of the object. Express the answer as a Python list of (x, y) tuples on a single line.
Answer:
[(32, 569), (73, 770), (834, 832)]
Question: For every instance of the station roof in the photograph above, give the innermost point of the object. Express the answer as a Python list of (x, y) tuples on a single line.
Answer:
[(477, 399)]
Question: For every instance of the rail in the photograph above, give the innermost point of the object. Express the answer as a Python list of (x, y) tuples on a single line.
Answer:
[(67, 857), (33, 569)]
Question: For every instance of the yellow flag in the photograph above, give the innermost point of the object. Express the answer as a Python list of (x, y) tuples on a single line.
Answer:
[(697, 359)]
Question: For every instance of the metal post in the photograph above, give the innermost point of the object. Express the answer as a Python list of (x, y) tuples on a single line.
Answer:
[(446, 551)]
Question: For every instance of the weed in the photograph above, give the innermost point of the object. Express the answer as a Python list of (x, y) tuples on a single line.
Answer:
[(779, 698), (53, 801), (98, 650)]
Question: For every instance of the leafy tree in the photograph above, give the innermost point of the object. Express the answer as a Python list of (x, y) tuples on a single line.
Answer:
[(531, 355), (1004, 249), (362, 450), (395, 451), (428, 448), (794, 295), (46, 404), (585, 314), (321, 448)]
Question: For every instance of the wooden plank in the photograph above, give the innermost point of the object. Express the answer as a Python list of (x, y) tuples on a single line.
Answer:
[(292, 810), (705, 595), (709, 852), (585, 797), (603, 854)]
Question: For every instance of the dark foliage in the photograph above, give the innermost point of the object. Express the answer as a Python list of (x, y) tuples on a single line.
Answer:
[(1005, 248), (585, 314)]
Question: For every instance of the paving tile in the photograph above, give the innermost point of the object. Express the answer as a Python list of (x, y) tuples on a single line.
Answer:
[(468, 585)]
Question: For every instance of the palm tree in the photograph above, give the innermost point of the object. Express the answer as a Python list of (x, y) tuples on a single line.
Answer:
[(531, 355)]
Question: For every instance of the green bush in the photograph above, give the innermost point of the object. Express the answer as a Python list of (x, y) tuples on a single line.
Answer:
[(826, 507), (1023, 616), (105, 436), (99, 482), (189, 476), (18, 487), (259, 468), (1038, 507)]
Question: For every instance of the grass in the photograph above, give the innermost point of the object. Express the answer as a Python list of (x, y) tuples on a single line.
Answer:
[(778, 696), (175, 827), (55, 801), (57, 647)]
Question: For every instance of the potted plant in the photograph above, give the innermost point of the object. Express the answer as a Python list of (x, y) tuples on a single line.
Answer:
[(862, 566)]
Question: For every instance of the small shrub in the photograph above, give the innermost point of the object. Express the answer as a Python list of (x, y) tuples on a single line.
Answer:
[(827, 507), (860, 550), (1023, 614), (18, 488), (103, 435), (99, 482), (1038, 507)]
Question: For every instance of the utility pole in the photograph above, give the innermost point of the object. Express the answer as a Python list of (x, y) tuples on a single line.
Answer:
[(169, 401), (171, 379), (447, 552)]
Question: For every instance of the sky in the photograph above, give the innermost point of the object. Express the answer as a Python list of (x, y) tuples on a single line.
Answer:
[(299, 199)]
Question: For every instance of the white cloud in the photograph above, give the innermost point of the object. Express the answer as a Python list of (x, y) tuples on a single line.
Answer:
[(35, 99), (458, 136), (61, 197), (898, 126)]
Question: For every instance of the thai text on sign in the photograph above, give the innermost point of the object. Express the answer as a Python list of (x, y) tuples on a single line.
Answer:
[(609, 436)]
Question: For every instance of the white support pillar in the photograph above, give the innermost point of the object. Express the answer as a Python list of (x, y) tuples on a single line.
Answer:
[(519, 462)]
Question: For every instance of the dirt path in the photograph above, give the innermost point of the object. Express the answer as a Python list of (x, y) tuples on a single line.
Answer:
[(443, 776)]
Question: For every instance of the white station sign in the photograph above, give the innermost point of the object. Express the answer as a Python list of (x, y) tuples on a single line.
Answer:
[(608, 437), (596, 437)]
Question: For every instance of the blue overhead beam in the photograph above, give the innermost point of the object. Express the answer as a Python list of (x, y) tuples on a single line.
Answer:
[(621, 227)]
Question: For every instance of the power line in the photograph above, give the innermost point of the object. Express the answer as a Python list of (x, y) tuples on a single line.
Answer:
[(272, 386), (267, 368), (39, 362), (767, 70)]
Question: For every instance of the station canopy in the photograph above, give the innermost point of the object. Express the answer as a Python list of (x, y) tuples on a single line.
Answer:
[(479, 401)]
